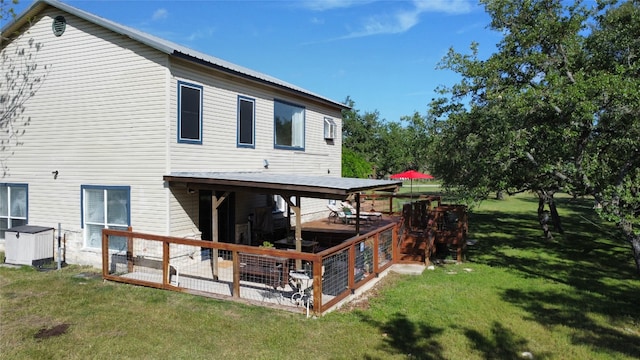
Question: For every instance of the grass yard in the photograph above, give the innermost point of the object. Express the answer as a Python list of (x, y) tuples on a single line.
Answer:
[(575, 297)]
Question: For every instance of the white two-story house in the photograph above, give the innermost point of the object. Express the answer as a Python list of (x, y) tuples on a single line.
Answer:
[(125, 129)]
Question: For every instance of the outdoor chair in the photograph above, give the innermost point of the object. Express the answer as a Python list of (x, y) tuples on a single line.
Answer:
[(346, 217), (333, 211), (369, 214), (350, 218)]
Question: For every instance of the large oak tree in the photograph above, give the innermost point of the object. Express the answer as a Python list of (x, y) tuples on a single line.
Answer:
[(555, 108)]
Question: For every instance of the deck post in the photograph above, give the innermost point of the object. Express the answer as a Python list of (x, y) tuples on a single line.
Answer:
[(351, 267), (166, 271), (376, 247), (236, 274), (105, 254), (317, 285), (130, 251)]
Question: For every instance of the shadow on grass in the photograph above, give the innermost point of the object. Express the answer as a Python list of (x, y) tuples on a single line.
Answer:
[(402, 336), (502, 344), (591, 258)]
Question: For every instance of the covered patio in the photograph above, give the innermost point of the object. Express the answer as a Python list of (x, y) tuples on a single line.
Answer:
[(291, 279)]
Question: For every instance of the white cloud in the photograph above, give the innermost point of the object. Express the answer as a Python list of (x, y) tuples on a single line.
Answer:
[(323, 5), (445, 6), (160, 14), (200, 34), (403, 20)]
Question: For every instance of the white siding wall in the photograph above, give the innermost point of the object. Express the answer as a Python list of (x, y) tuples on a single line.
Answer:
[(106, 114), (219, 152), (100, 118)]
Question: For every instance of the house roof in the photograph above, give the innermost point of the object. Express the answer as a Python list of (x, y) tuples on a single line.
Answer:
[(167, 47), (323, 187)]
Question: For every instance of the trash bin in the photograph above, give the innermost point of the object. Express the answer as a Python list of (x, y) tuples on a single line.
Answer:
[(29, 245)]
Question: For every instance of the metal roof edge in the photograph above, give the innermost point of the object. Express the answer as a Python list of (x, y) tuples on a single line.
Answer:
[(292, 181), (165, 46)]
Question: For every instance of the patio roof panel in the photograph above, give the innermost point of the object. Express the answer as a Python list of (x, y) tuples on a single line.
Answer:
[(323, 187)]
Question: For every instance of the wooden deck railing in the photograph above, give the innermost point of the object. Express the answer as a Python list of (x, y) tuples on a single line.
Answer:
[(221, 270), (392, 203)]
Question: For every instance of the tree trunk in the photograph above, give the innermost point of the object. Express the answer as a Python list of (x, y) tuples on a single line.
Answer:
[(634, 240), (544, 217), (635, 245), (555, 217), (500, 195)]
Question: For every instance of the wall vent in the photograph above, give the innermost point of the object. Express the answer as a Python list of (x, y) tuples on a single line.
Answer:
[(59, 25)]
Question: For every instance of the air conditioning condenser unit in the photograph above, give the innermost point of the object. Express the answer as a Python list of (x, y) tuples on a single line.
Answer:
[(29, 245)]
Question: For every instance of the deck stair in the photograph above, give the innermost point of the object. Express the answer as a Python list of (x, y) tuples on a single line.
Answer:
[(414, 247)]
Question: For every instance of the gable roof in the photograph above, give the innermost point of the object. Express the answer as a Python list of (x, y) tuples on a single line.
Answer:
[(168, 48)]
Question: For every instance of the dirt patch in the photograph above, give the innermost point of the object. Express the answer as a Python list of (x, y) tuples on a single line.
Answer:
[(57, 330)]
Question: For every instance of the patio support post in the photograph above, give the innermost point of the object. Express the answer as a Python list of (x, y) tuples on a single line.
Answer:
[(215, 203), (357, 213), (296, 209)]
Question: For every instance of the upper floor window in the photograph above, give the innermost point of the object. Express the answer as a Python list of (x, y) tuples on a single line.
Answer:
[(105, 207), (246, 122), (288, 125), (329, 129), (189, 113), (13, 206)]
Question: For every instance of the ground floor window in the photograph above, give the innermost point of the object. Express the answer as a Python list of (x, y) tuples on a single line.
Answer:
[(13, 206), (105, 207)]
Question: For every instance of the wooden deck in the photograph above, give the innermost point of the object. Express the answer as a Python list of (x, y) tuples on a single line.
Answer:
[(330, 225), (329, 233)]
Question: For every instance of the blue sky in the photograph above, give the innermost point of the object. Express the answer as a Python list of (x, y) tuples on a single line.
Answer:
[(382, 54)]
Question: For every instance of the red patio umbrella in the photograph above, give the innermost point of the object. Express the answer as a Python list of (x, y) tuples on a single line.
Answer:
[(411, 174)]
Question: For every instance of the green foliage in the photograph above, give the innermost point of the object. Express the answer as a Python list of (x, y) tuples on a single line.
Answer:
[(7, 11), (354, 165), (388, 146), (556, 108)]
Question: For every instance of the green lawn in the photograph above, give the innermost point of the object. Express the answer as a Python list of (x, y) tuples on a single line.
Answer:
[(575, 297)]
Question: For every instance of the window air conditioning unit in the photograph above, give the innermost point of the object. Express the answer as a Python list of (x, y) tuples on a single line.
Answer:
[(330, 129)]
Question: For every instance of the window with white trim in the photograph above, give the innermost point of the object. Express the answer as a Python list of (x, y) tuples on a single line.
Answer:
[(246, 122), (329, 129), (105, 207), (189, 113), (288, 125), (13, 206)]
